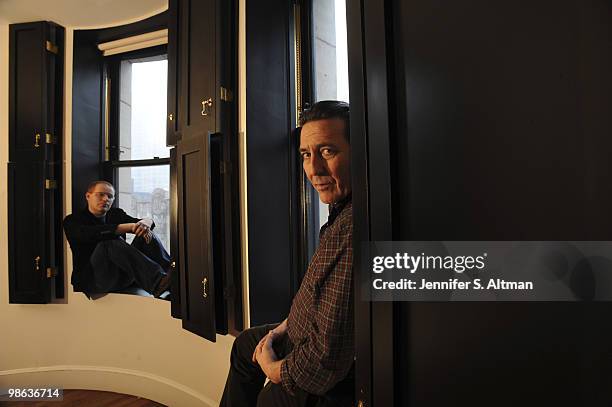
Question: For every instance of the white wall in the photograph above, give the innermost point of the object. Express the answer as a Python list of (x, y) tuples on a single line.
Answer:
[(120, 343)]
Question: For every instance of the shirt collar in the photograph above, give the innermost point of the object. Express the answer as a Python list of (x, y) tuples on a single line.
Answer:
[(86, 212), (336, 208)]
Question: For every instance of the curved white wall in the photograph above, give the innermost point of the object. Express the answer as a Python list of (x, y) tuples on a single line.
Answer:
[(120, 343)]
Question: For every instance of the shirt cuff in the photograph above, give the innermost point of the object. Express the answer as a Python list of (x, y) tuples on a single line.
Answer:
[(286, 380)]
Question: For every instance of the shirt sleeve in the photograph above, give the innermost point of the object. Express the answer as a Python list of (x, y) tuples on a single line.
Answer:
[(78, 233), (327, 354), (125, 218)]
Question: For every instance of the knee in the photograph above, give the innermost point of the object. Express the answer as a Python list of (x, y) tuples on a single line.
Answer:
[(101, 250), (244, 346), (240, 343)]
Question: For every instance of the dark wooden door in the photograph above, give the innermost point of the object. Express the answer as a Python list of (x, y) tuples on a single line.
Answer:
[(174, 237), (195, 237), (482, 121), (35, 162), (173, 134), (197, 52), (201, 127)]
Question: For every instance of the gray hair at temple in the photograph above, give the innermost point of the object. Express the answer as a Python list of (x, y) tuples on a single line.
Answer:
[(329, 109)]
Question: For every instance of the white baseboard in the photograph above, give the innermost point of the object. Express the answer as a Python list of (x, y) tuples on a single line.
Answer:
[(133, 382)]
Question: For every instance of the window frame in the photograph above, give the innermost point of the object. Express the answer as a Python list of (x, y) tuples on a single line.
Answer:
[(110, 117)]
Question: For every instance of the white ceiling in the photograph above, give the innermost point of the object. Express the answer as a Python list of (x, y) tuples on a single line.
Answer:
[(80, 13)]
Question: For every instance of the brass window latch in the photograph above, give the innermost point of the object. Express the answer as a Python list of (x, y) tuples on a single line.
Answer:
[(37, 140), (206, 106), (205, 287), (37, 263)]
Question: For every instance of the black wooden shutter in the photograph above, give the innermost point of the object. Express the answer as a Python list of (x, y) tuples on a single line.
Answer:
[(35, 162), (195, 237), (204, 163)]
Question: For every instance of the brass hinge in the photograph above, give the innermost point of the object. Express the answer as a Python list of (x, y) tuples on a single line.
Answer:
[(51, 47), (49, 139), (226, 94), (51, 272), (50, 184)]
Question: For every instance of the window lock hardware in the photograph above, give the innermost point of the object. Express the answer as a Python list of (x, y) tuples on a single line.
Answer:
[(226, 95), (50, 184), (51, 47), (173, 264), (37, 263), (205, 287), (49, 139), (37, 140), (206, 105), (51, 272), (170, 117)]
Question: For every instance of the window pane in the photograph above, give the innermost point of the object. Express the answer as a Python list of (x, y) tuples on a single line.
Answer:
[(330, 50), (144, 193), (330, 60), (143, 108)]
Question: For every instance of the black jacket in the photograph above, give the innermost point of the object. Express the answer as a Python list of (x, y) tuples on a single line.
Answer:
[(84, 231)]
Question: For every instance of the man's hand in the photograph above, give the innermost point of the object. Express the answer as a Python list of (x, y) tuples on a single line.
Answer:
[(143, 228), (267, 359), (279, 332)]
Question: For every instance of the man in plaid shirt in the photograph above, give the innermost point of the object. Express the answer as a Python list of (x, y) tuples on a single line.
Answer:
[(309, 356)]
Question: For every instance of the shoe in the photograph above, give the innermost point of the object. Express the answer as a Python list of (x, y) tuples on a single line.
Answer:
[(164, 285)]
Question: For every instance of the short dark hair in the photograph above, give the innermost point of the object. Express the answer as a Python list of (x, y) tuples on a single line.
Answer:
[(92, 185), (329, 109)]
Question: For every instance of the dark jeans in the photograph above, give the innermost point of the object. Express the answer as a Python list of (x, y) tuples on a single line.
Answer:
[(117, 265), (245, 382)]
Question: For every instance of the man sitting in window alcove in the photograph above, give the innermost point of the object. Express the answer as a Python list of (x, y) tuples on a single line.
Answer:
[(103, 260), (309, 356)]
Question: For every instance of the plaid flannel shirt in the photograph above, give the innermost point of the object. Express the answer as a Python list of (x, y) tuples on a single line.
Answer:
[(320, 323)]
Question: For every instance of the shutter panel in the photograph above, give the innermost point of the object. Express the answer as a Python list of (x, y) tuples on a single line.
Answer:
[(35, 134), (195, 234), (205, 250)]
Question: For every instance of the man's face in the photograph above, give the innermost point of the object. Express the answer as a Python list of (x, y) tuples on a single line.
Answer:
[(100, 199), (326, 158)]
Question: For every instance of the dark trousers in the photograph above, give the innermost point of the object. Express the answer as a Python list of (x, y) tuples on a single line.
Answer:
[(117, 265), (245, 382)]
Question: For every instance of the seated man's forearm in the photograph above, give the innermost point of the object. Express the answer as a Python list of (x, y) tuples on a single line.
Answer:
[(124, 228)]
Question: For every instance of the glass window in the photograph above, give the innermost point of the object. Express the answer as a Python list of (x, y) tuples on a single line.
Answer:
[(144, 192), (142, 108), (141, 163), (330, 59)]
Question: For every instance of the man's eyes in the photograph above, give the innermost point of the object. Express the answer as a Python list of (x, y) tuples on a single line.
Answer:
[(325, 153), (102, 195)]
